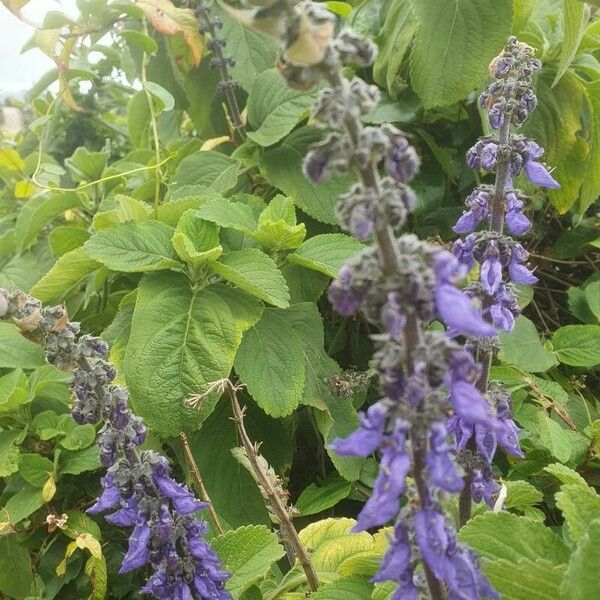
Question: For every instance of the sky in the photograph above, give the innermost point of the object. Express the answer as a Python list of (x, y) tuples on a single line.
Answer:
[(19, 71)]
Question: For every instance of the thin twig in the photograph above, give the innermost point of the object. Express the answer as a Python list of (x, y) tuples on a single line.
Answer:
[(198, 477), (274, 499)]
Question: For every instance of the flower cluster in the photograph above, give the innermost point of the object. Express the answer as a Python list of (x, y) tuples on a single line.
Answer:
[(138, 485), (502, 261), (400, 284)]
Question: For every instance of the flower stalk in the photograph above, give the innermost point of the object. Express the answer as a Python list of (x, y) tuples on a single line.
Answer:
[(400, 284), (508, 102), (138, 486)]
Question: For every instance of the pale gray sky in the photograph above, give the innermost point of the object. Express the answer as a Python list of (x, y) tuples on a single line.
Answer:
[(19, 71)]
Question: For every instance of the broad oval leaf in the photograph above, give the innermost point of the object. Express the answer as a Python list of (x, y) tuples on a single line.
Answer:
[(181, 340)]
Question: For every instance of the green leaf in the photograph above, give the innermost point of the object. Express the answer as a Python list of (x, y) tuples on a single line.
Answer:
[(95, 569), (253, 52), (581, 580), (64, 238), (523, 348), (14, 391), (85, 165), (556, 126), (164, 97), (394, 41), (212, 170), (579, 506), (230, 214), (521, 538), (575, 15), (181, 340), (305, 285), (138, 119), (45, 425), (18, 352), (16, 573), (333, 542), (81, 436), (315, 499), (11, 160), (23, 504), (277, 228), (37, 212), (590, 187), (281, 166), (274, 108), (79, 461), (140, 41), (170, 212), (346, 588), (326, 253), (577, 345), (592, 295), (67, 272), (455, 42), (9, 452), (195, 240), (134, 246), (565, 474), (254, 272), (248, 553), (270, 361), (35, 469), (127, 209), (554, 437), (522, 494), (525, 579)]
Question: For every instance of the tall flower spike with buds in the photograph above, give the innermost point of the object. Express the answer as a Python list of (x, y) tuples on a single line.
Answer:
[(401, 285), (138, 487), (508, 102)]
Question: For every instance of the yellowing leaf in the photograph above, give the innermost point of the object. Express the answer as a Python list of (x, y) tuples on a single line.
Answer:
[(214, 142), (15, 6), (89, 542), (47, 41), (170, 20), (49, 490), (23, 189), (10, 159)]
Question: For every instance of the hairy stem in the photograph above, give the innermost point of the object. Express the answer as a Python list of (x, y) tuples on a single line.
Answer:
[(385, 241), (274, 500), (485, 355), (198, 477), (227, 84)]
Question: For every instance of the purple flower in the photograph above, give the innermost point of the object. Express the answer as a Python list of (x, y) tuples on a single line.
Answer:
[(397, 558), (539, 175), (496, 116), (483, 486), (458, 312), (491, 269), (517, 271), (504, 308), (342, 295), (183, 500), (486, 440), (402, 162), (432, 538), (137, 553), (110, 497), (478, 204), (366, 439), (442, 472), (391, 316), (126, 516), (463, 250), (488, 157), (384, 502), (516, 222)]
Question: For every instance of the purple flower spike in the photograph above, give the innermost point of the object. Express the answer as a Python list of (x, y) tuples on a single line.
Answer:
[(539, 175), (138, 553), (396, 560)]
